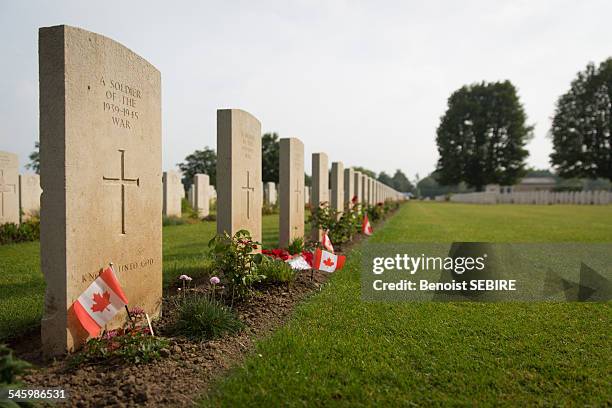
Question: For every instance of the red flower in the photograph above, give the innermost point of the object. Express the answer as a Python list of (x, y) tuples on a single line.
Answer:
[(308, 257), (354, 200), (276, 253)]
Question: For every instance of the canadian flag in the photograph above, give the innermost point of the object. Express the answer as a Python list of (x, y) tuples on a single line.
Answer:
[(366, 228), (327, 244), (100, 302), (328, 262)]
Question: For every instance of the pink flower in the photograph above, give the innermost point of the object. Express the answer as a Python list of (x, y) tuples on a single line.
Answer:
[(215, 281), (185, 278), (137, 311), (110, 334)]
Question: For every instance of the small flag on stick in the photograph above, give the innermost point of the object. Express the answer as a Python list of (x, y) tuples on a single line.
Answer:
[(326, 242), (328, 262), (366, 228), (100, 302)]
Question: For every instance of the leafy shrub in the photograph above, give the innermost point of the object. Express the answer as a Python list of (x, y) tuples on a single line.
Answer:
[(10, 367), (375, 212), (296, 246), (173, 221), (210, 217), (277, 271), (188, 211), (203, 318), (341, 227), (11, 233), (268, 209), (233, 258), (131, 346)]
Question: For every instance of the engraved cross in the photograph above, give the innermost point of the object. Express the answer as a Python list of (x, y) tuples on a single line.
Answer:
[(297, 195), (248, 189), (123, 182), (5, 188)]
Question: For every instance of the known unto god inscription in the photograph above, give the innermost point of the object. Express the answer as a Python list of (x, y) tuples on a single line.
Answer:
[(100, 135)]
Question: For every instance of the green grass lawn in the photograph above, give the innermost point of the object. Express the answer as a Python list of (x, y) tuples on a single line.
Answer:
[(339, 350), (22, 285)]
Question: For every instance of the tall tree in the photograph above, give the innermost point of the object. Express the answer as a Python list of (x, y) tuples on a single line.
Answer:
[(582, 125), (401, 182), (481, 138), (199, 162), (34, 157), (363, 170), (385, 179), (270, 152)]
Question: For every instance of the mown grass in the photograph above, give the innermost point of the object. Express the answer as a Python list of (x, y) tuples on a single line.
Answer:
[(339, 350), (22, 286)]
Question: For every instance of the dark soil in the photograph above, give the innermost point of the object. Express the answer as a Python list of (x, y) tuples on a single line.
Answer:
[(181, 378), (184, 375)]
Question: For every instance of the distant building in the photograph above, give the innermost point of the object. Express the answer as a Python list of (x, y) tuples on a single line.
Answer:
[(526, 184), (535, 184)]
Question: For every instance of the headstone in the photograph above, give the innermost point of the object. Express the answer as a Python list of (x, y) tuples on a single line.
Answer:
[(29, 195), (307, 194), (239, 188), (173, 193), (358, 186), (291, 189), (9, 188), (320, 183), (191, 196), (349, 182), (201, 197), (365, 189), (269, 193), (337, 187), (100, 145)]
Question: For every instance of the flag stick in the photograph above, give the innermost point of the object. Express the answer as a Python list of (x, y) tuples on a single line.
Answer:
[(150, 327)]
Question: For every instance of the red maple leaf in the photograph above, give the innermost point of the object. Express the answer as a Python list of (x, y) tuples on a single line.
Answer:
[(101, 302), (328, 262)]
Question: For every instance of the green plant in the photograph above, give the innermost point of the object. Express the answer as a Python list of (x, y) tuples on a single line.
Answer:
[(268, 209), (277, 271), (172, 221), (233, 257), (296, 246), (131, 346), (10, 367), (203, 318), (11, 233), (188, 211), (341, 227)]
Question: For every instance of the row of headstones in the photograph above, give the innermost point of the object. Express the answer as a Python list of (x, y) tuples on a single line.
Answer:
[(19, 193), (100, 146), (199, 195), (599, 197)]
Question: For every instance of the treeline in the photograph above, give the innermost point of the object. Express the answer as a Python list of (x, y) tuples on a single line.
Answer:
[(483, 133)]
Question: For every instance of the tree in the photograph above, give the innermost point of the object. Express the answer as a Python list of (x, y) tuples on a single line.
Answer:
[(270, 152), (582, 125), (385, 179), (429, 187), (34, 163), (199, 162), (481, 138), (363, 170), (401, 182)]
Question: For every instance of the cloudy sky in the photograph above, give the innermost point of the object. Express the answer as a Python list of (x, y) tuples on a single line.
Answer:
[(364, 81)]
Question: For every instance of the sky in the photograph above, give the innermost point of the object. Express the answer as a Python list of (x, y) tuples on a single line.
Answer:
[(364, 81)]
